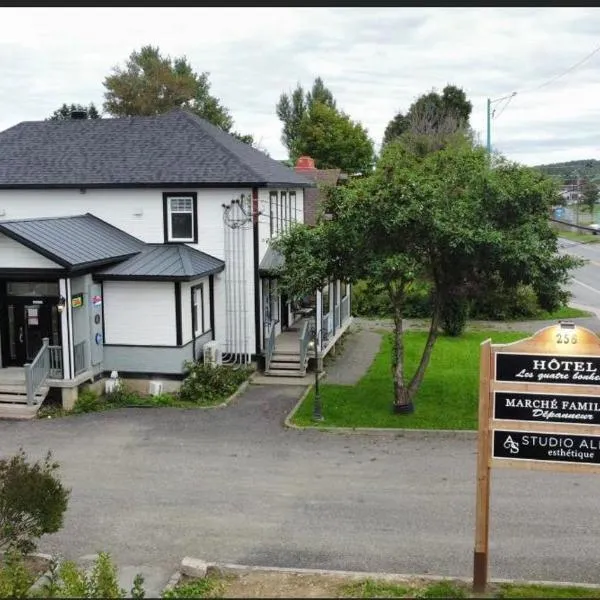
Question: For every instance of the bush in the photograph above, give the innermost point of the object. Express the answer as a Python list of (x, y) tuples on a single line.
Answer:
[(454, 316), (369, 300), (501, 303), (87, 401), (32, 501), (207, 384), (70, 581), (15, 579), (207, 587)]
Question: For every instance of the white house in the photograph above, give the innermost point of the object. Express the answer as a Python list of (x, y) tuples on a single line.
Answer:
[(129, 244)]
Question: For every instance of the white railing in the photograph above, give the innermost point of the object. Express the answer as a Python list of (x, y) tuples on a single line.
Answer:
[(270, 345), (325, 329), (80, 357), (344, 308), (37, 371), (305, 336), (56, 365)]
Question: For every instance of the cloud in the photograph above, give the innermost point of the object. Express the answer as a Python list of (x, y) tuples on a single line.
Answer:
[(375, 60)]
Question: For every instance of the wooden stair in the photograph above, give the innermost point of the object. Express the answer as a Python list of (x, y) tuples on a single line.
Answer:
[(285, 360), (13, 396)]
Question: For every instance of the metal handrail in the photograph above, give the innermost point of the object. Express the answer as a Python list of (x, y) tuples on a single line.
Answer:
[(270, 345), (304, 341), (37, 371), (56, 366)]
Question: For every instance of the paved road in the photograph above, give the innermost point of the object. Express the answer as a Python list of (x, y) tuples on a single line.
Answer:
[(585, 284), (153, 485)]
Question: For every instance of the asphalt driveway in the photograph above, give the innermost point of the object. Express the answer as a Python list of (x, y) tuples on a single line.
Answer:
[(154, 485)]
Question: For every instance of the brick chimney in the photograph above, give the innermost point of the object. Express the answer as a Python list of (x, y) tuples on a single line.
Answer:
[(305, 163)]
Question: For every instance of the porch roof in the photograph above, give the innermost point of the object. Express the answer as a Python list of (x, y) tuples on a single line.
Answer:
[(164, 262), (271, 263), (74, 242)]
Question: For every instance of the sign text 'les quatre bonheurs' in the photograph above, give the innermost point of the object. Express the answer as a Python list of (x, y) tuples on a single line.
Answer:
[(539, 408), (531, 368)]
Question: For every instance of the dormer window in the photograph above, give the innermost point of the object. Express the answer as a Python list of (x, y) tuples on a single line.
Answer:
[(180, 216)]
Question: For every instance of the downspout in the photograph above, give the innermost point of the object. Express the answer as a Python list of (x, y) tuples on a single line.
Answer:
[(256, 278)]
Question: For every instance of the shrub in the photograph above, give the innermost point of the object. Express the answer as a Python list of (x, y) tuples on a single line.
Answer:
[(87, 401), (207, 384), (369, 300), (207, 587), (122, 396), (454, 316), (32, 501), (101, 581), (15, 579)]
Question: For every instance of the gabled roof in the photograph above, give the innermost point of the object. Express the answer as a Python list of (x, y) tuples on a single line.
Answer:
[(74, 242), (164, 262), (173, 149)]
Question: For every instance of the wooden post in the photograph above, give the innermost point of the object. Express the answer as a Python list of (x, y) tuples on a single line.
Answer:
[(482, 506)]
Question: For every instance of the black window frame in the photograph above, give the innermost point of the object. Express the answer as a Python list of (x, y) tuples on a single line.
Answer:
[(283, 202), (272, 207), (293, 215), (167, 197), (195, 331)]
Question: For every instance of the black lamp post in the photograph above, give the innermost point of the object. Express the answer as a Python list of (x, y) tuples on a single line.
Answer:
[(317, 412)]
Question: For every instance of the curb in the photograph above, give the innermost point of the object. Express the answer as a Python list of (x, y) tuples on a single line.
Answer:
[(463, 434), (232, 568), (173, 581)]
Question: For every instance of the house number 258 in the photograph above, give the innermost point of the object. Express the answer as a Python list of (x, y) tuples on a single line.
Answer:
[(566, 338)]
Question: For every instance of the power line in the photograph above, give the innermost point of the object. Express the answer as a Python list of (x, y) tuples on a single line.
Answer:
[(560, 75)]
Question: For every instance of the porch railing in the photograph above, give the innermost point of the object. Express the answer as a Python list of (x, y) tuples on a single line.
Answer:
[(305, 336), (345, 306), (80, 357), (56, 364), (336, 320), (270, 345), (325, 329), (37, 371)]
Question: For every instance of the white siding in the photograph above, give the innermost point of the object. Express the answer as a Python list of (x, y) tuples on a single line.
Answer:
[(14, 255), (139, 313)]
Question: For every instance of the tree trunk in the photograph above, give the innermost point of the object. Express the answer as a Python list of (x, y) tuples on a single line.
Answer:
[(404, 394), (402, 401)]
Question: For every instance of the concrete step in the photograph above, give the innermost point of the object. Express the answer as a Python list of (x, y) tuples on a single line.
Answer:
[(288, 366), (284, 373), (20, 388), (20, 398), (18, 411)]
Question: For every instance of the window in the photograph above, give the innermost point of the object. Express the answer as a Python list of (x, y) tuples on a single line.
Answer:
[(343, 289), (292, 202), (284, 215), (272, 208), (180, 217), (32, 288), (198, 324), (276, 216)]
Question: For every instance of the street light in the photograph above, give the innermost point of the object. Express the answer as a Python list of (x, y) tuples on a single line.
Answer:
[(317, 406)]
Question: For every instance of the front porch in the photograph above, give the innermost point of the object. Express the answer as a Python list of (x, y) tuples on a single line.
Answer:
[(289, 352)]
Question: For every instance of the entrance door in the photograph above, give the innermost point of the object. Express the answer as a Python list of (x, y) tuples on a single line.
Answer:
[(28, 323)]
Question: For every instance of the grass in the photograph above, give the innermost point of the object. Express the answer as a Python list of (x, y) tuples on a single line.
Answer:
[(584, 238), (208, 587), (447, 399), (565, 312), (545, 591)]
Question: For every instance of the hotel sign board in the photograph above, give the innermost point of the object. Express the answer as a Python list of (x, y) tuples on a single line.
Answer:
[(539, 409)]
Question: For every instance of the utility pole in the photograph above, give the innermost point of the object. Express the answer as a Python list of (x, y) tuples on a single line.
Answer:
[(489, 118)]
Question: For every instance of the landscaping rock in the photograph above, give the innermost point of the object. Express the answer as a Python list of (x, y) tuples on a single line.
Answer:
[(193, 567)]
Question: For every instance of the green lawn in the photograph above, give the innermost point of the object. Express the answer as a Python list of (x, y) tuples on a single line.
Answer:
[(447, 398), (584, 238), (565, 312)]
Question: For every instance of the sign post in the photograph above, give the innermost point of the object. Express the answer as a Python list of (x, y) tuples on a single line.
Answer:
[(539, 408)]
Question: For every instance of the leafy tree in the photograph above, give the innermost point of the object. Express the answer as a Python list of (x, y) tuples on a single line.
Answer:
[(441, 216), (293, 107), (589, 193), (438, 110), (64, 112), (32, 501), (334, 140), (152, 84)]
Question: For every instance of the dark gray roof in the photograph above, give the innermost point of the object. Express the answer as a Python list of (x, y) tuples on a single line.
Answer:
[(73, 242), (166, 262), (271, 263), (176, 148)]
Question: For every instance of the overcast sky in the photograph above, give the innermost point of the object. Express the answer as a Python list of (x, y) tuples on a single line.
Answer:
[(375, 60)]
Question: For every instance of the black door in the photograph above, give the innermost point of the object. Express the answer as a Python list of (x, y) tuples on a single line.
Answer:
[(29, 321), (285, 322)]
